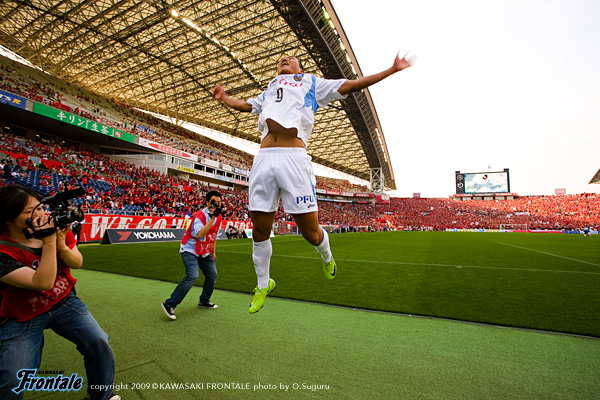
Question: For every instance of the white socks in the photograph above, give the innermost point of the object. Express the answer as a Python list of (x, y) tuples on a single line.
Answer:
[(323, 247), (261, 255)]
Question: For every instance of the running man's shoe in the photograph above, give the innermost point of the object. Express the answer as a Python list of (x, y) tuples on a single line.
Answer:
[(330, 269), (210, 305), (259, 296), (169, 311)]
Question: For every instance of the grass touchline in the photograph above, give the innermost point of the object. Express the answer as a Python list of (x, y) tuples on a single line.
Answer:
[(549, 254), (435, 265)]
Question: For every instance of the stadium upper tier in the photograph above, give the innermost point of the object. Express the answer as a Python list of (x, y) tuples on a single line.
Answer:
[(117, 187), (38, 86), (166, 57)]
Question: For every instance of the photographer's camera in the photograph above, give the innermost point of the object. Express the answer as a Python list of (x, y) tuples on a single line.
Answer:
[(218, 209), (60, 214)]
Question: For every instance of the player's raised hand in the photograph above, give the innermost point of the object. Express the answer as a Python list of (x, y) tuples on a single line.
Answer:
[(218, 92), (404, 62), (237, 104)]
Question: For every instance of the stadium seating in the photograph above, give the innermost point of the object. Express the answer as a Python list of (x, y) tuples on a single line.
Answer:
[(339, 185), (38, 86), (111, 186)]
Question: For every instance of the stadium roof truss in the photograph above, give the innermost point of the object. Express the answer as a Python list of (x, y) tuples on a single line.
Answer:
[(166, 56), (595, 178)]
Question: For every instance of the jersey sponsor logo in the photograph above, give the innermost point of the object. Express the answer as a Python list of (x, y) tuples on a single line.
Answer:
[(305, 199), (285, 82)]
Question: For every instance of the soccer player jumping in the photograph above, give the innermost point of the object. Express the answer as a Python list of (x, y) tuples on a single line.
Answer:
[(282, 168)]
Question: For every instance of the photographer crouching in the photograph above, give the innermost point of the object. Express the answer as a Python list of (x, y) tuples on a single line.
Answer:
[(198, 251), (37, 292)]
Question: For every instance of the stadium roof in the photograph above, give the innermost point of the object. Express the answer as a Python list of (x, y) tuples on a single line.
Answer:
[(595, 178), (166, 56)]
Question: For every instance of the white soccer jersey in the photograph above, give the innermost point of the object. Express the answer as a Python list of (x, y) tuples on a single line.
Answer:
[(292, 100)]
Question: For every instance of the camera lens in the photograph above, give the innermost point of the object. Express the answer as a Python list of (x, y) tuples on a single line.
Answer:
[(63, 220), (77, 215)]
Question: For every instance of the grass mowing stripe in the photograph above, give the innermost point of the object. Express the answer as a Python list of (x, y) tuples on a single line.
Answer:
[(432, 265), (549, 254)]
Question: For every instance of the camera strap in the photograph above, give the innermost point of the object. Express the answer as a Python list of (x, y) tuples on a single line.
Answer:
[(20, 246)]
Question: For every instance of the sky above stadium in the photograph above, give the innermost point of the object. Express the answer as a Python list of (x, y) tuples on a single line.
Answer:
[(498, 84)]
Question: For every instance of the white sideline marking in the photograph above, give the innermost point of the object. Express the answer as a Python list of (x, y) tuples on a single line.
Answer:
[(429, 265), (219, 245), (550, 254)]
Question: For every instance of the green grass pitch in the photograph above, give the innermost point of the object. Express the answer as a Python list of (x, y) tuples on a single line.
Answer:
[(539, 281), (303, 350)]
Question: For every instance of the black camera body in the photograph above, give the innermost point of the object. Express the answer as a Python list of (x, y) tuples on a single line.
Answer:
[(218, 210), (60, 214)]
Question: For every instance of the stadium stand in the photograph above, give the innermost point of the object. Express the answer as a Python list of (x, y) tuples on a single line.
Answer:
[(537, 212), (35, 85), (117, 187), (339, 185), (112, 187)]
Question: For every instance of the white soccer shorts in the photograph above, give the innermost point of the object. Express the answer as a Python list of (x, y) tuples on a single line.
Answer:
[(286, 173)]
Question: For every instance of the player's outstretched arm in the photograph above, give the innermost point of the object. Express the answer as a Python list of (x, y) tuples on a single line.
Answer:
[(237, 104), (351, 86)]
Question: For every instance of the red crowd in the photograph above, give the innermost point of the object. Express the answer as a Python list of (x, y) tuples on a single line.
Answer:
[(111, 186), (117, 186), (339, 185), (537, 212)]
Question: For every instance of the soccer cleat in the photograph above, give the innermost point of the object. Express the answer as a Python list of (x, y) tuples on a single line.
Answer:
[(259, 296), (330, 269), (168, 311), (210, 305)]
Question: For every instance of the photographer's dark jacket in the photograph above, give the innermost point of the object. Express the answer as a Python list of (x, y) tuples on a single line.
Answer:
[(23, 304), (206, 244)]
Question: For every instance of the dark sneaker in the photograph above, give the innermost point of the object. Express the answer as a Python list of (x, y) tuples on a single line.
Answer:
[(170, 312), (208, 305)]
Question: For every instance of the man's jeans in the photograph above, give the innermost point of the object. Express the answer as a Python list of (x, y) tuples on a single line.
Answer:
[(193, 265), (21, 345)]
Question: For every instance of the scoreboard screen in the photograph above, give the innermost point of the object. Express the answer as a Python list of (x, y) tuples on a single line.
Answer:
[(482, 182)]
